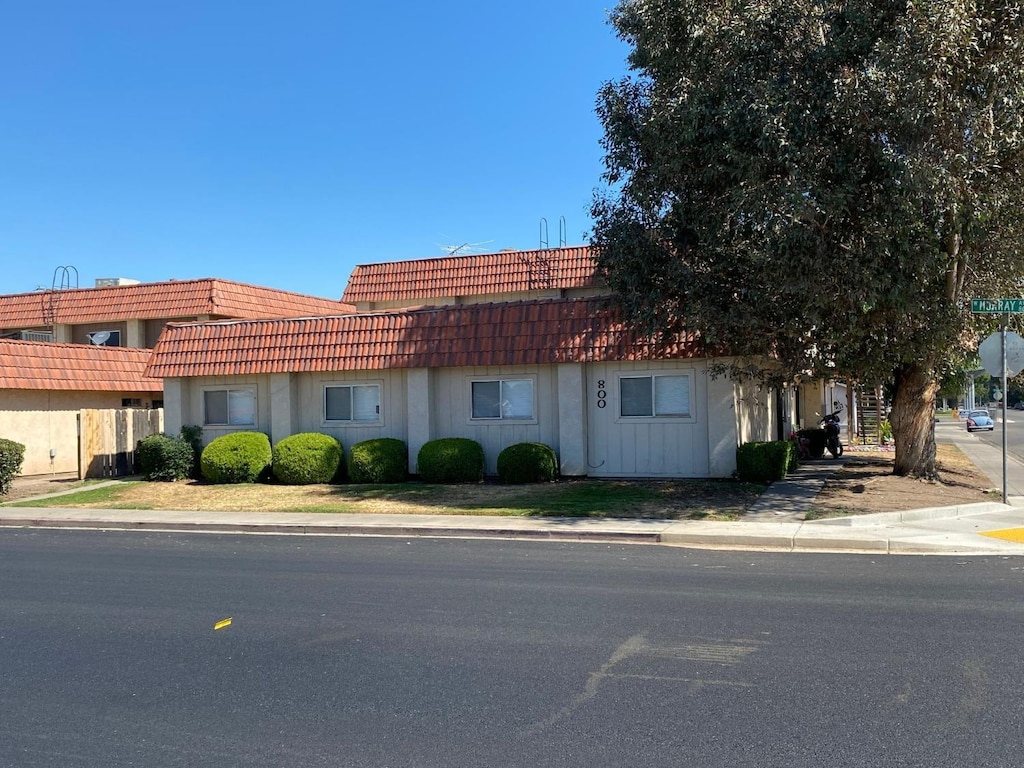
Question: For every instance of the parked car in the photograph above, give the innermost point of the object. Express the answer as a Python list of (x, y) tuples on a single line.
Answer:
[(1019, 406), (979, 420)]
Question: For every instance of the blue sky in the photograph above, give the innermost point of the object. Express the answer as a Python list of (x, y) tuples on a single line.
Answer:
[(281, 144)]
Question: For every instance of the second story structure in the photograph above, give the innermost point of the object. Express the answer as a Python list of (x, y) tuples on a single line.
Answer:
[(134, 314), (550, 273)]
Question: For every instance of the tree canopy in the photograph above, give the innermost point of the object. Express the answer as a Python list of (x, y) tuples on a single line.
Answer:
[(825, 183)]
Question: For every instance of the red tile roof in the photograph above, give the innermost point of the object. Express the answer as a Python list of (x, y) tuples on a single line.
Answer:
[(176, 298), (78, 367), (511, 333), (491, 273)]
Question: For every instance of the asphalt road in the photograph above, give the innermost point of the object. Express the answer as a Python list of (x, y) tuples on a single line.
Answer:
[(391, 652), (1014, 432)]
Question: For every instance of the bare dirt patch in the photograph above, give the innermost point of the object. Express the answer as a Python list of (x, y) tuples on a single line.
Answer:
[(866, 484)]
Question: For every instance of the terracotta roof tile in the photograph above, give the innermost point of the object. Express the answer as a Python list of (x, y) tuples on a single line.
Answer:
[(511, 333), (176, 298), (79, 367), (491, 273)]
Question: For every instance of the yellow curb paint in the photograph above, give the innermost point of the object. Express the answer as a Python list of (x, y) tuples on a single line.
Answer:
[(1008, 534), (221, 624)]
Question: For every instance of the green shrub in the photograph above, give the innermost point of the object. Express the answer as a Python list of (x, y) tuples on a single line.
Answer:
[(527, 463), (764, 462), (451, 460), (11, 456), (239, 457), (382, 460), (193, 435), (306, 458), (162, 457)]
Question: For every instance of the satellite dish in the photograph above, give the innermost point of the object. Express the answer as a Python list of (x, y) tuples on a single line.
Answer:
[(99, 338)]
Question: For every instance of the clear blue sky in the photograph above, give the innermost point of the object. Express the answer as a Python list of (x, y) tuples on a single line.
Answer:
[(283, 143)]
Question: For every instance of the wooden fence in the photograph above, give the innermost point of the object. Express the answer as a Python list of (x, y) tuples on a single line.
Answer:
[(107, 438)]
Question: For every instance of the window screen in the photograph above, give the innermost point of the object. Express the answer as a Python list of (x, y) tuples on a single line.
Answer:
[(503, 399), (654, 396), (352, 403), (229, 407)]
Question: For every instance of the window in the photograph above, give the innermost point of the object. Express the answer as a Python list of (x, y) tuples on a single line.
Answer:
[(352, 403), (229, 407), (503, 399), (131, 402), (104, 338), (649, 396)]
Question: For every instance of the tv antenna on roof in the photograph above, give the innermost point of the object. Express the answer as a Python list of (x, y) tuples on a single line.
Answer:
[(465, 249)]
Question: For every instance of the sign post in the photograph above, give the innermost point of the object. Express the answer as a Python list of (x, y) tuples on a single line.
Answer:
[(1005, 307)]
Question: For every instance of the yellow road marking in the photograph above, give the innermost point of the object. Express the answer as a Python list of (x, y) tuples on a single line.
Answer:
[(221, 624), (1008, 534)]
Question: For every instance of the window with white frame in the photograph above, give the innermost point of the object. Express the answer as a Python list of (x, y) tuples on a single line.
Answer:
[(229, 407), (502, 399), (654, 396), (352, 403)]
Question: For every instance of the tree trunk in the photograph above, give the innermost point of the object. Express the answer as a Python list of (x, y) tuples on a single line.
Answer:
[(913, 422)]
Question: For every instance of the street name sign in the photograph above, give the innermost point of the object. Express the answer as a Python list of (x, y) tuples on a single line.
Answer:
[(997, 306)]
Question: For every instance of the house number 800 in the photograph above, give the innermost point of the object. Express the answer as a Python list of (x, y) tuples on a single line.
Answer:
[(601, 394)]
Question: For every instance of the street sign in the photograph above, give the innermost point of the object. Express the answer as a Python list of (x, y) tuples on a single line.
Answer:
[(991, 354), (997, 306)]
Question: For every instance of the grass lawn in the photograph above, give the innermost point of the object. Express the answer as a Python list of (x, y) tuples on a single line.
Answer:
[(632, 499)]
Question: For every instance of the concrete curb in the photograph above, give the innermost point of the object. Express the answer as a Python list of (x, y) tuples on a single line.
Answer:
[(914, 515)]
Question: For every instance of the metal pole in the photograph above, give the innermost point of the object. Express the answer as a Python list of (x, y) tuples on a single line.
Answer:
[(1002, 345)]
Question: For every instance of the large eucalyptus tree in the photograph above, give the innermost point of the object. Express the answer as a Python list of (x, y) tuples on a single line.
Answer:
[(822, 183)]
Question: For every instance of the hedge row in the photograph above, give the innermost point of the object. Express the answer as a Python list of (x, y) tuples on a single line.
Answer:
[(310, 457), (11, 456), (765, 462)]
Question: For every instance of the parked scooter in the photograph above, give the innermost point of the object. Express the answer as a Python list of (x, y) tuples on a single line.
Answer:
[(830, 423)]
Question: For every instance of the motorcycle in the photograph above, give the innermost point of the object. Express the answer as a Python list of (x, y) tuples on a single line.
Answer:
[(830, 423)]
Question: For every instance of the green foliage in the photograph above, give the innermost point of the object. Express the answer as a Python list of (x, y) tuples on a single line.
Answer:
[(764, 462), (238, 457), (451, 460), (824, 185), (162, 457), (381, 460), (885, 430), (306, 458), (193, 435), (11, 456), (527, 463)]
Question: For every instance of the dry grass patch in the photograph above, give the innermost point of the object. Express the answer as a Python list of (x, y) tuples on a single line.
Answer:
[(655, 499)]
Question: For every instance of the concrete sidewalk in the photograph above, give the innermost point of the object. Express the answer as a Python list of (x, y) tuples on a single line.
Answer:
[(773, 524)]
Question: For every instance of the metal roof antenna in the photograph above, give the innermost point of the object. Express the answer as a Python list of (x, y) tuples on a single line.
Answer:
[(465, 249), (543, 233), (61, 282), (561, 231)]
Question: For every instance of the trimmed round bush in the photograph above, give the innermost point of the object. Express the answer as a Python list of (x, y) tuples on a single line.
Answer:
[(240, 457), (166, 458), (451, 460), (381, 460), (306, 458), (527, 463), (11, 456)]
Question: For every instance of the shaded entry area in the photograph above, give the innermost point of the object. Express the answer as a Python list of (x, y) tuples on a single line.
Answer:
[(107, 439)]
